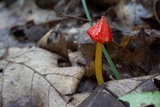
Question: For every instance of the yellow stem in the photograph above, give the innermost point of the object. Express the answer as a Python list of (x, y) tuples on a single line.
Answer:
[(98, 64)]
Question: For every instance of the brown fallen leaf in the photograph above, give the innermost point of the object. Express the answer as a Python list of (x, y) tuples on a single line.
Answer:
[(121, 58), (142, 53), (55, 44), (136, 55), (144, 56), (88, 50)]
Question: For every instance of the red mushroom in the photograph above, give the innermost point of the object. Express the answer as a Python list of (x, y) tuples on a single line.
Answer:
[(100, 32)]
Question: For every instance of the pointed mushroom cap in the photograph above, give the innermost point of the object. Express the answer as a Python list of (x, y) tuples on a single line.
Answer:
[(100, 32)]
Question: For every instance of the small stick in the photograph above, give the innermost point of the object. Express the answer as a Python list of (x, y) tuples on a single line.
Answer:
[(75, 17)]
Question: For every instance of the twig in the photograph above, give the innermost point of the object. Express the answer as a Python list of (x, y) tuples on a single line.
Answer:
[(75, 17)]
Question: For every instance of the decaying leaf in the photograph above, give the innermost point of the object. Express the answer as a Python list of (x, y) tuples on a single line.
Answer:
[(122, 58), (143, 57), (31, 77), (55, 44), (135, 55)]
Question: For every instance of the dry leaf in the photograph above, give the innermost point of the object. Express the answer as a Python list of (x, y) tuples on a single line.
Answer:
[(31, 77), (56, 44), (136, 55), (139, 84)]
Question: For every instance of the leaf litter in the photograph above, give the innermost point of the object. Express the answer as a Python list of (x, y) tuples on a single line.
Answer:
[(32, 76)]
